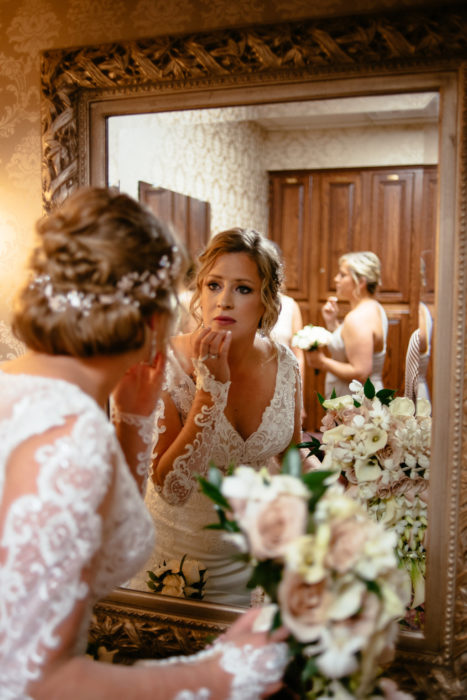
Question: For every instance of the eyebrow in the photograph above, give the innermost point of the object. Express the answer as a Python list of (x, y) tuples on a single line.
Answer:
[(238, 279)]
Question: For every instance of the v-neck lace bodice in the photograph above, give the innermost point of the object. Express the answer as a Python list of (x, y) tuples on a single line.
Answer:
[(275, 431)]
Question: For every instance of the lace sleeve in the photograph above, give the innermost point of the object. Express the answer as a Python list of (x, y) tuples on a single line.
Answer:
[(51, 531), (179, 482), (252, 668), (149, 429)]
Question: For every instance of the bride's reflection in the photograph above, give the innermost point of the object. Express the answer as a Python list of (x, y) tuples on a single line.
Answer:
[(232, 396)]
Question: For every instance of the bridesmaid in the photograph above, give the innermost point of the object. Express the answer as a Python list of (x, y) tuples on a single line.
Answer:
[(358, 346)]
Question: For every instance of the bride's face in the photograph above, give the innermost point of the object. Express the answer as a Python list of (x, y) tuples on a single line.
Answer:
[(231, 295)]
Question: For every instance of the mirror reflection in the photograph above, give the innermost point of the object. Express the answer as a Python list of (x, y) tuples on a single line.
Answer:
[(320, 178)]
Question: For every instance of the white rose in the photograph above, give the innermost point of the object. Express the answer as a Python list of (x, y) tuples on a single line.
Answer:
[(338, 403), (311, 337), (423, 408), (402, 406)]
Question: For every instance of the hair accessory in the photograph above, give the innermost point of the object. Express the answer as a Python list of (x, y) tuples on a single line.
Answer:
[(145, 283)]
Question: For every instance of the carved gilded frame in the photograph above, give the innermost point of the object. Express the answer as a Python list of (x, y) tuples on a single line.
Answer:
[(308, 59)]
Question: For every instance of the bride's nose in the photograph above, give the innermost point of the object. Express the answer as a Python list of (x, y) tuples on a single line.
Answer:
[(225, 300)]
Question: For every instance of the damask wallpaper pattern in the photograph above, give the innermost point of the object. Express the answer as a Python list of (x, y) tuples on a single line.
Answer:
[(30, 26)]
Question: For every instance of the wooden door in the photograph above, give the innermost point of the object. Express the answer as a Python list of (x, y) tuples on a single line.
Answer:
[(316, 216), (189, 218)]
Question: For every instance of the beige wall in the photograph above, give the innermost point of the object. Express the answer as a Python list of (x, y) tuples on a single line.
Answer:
[(29, 26)]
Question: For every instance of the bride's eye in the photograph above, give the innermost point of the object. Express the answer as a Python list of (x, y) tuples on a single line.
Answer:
[(243, 289), (212, 285)]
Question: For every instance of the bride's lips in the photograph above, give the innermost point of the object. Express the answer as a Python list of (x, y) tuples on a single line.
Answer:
[(224, 320)]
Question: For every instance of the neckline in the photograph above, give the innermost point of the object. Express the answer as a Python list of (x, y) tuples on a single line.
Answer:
[(244, 441)]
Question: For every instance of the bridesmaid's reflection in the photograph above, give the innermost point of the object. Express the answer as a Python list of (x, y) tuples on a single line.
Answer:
[(231, 396)]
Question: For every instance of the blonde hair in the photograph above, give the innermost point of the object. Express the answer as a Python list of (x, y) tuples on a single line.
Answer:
[(364, 265), (103, 266), (263, 252)]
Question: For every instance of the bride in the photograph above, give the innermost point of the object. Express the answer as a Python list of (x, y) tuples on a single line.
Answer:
[(231, 396)]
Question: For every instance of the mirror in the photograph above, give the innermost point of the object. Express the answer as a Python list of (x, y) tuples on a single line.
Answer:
[(257, 166), (364, 55)]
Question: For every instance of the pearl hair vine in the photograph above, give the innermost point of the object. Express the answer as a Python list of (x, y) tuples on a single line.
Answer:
[(145, 283)]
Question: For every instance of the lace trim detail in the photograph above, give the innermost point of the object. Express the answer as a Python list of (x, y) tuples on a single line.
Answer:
[(179, 483), (201, 694), (148, 430), (253, 668)]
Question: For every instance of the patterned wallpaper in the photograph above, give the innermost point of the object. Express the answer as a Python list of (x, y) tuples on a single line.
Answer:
[(222, 156), (29, 26)]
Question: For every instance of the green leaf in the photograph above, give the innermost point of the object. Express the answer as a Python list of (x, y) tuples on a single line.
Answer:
[(267, 574), (313, 446), (212, 491), (292, 463), (309, 670), (321, 398), (385, 395), (369, 389), (333, 394), (374, 587), (315, 480), (276, 620)]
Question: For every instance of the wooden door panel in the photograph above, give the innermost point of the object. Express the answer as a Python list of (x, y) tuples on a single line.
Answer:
[(340, 211), (396, 348), (288, 223), (189, 217), (390, 232)]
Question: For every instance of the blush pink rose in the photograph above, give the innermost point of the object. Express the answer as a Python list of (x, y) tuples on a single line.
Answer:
[(304, 606), (347, 539), (272, 525)]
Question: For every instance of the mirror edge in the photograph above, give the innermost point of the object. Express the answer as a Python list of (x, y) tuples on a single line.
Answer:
[(68, 76)]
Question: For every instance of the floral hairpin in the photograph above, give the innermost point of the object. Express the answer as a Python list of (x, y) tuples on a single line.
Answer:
[(146, 283)]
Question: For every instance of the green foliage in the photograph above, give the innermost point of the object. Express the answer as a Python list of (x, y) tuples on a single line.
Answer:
[(315, 482), (292, 463), (211, 487), (267, 574), (369, 389), (385, 396), (313, 446)]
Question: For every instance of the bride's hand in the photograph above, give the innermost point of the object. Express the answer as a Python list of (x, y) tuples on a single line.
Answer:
[(139, 388), (212, 348), (263, 652)]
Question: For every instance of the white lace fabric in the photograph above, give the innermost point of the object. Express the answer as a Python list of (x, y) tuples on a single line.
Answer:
[(56, 553), (225, 446), (252, 668)]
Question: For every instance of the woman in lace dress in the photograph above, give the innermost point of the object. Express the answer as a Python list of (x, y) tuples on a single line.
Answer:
[(94, 316), (358, 346), (231, 396)]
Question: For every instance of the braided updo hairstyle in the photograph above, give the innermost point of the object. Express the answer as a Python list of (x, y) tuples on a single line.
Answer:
[(92, 241), (268, 261)]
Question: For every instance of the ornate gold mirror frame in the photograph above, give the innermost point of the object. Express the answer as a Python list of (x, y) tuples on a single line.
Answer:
[(310, 59)]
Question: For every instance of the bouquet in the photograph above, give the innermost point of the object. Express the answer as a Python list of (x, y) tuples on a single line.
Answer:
[(328, 570), (381, 446), (311, 338), (183, 579)]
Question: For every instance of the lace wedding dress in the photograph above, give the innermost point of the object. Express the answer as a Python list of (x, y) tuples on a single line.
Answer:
[(181, 511), (52, 531)]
